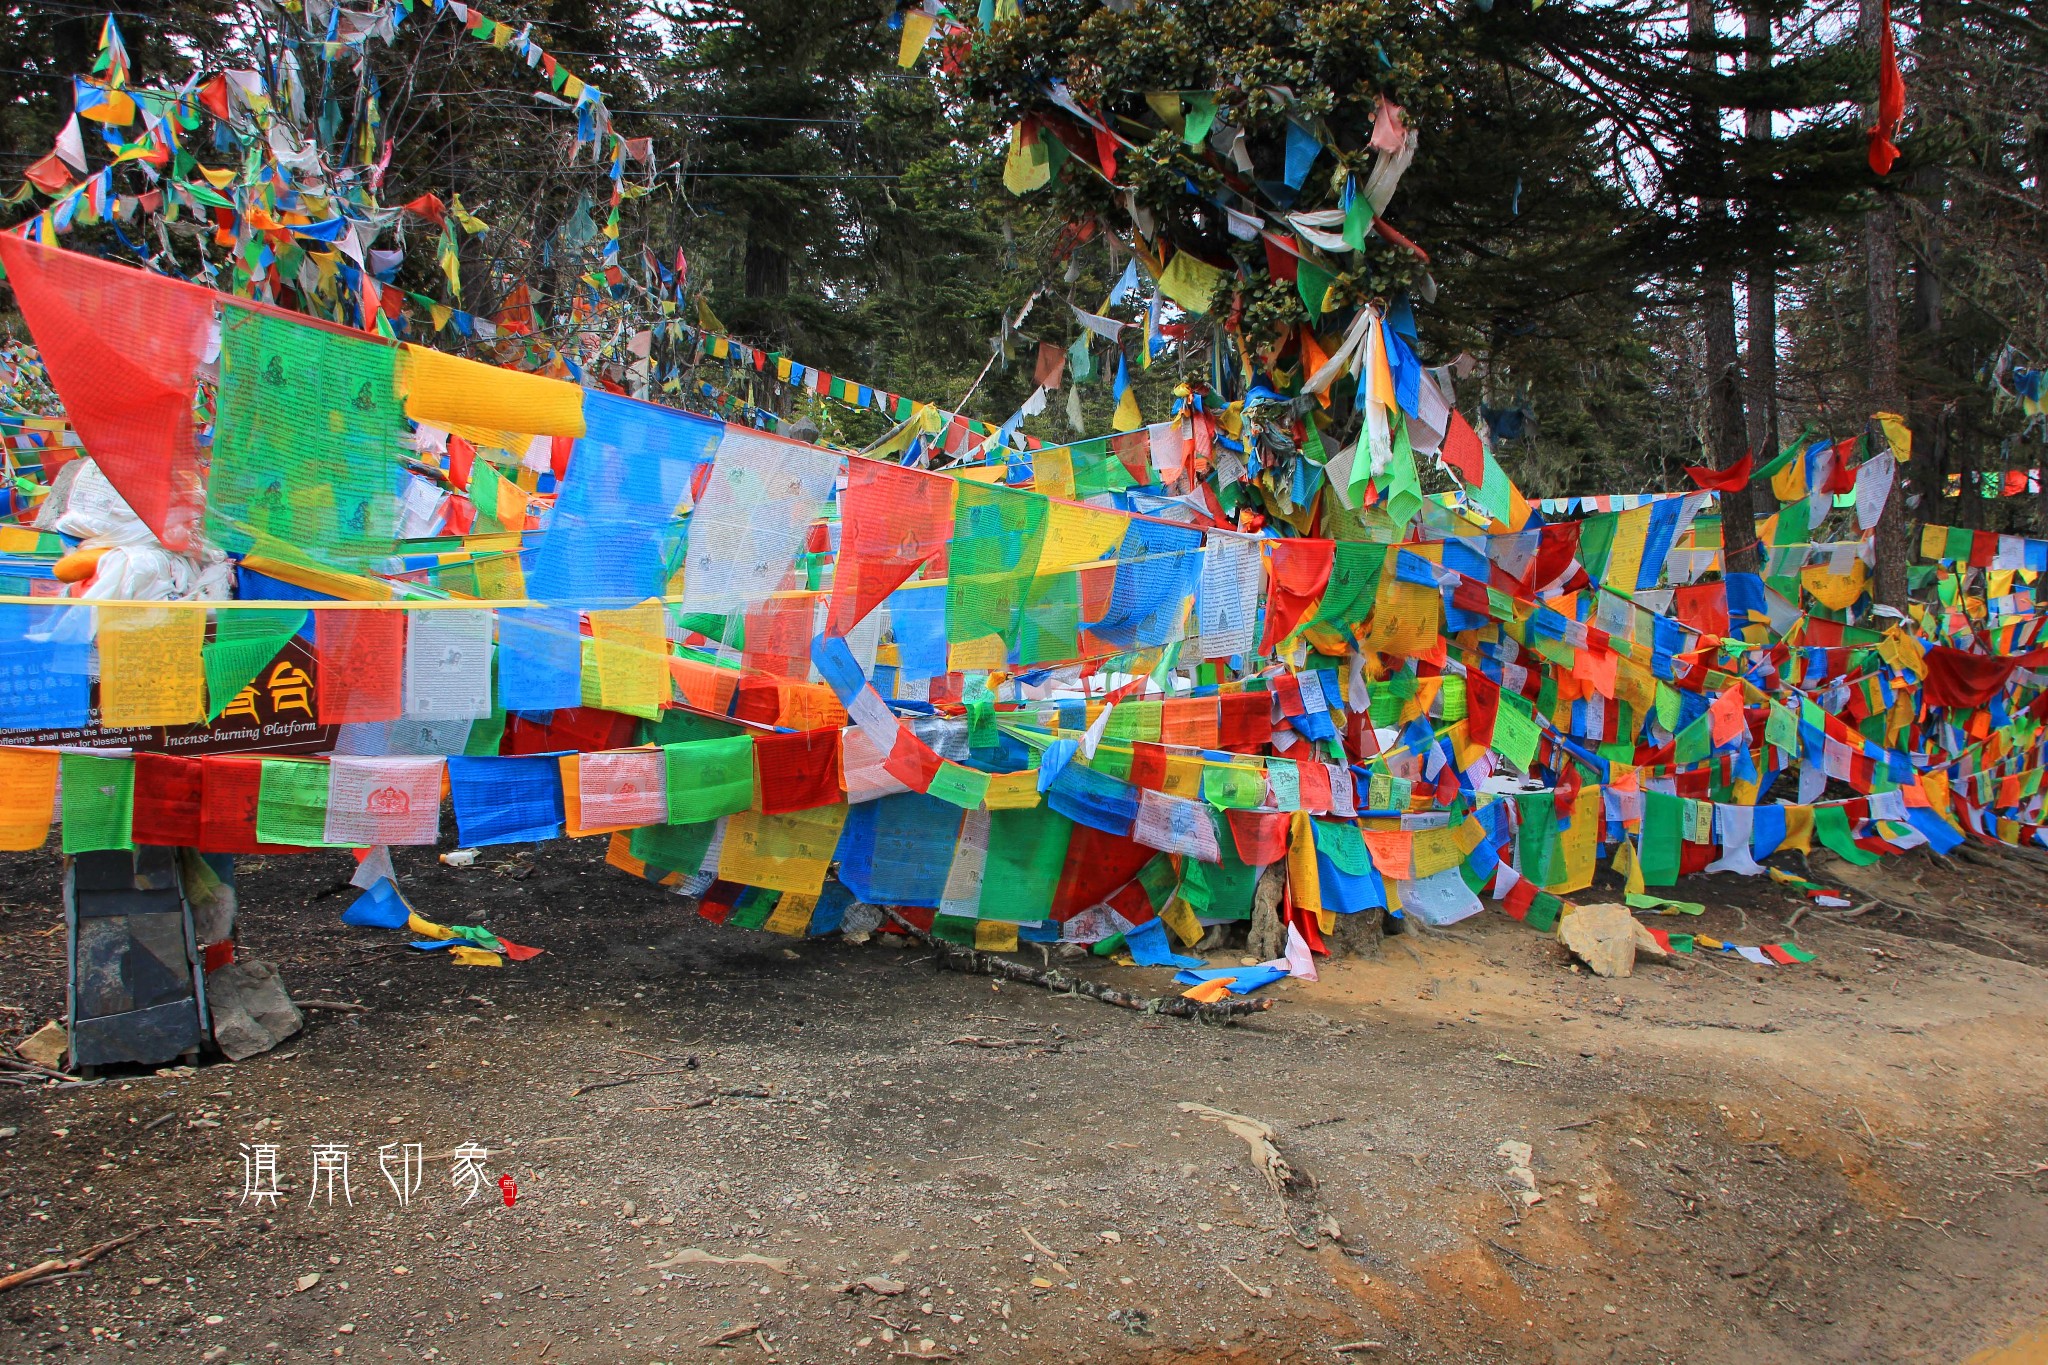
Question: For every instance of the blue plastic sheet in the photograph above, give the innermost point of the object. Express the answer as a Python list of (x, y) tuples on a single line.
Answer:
[(1150, 948), (380, 907), (1243, 980), (613, 530)]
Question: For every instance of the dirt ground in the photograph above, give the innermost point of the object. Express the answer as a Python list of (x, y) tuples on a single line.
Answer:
[(1845, 1161)]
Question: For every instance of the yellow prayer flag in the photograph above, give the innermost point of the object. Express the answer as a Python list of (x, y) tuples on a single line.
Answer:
[(917, 27), (1179, 916), (1028, 166), (1302, 877), (1898, 434), (995, 936), (1434, 851), (446, 390), (1579, 845), (1625, 560), (151, 671), (1189, 282), (629, 654), (781, 852), (28, 794), (792, 914), (1076, 535), (1835, 591), (1052, 472), (1127, 416), (1012, 791)]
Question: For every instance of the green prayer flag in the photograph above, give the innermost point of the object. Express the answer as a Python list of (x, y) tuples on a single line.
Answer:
[(243, 644), (1515, 732), (1831, 827), (1311, 281), (309, 436), (997, 536), (1659, 848), (99, 802), (708, 778), (1537, 842), (963, 786), (1357, 220), (1026, 851), (673, 848), (291, 803)]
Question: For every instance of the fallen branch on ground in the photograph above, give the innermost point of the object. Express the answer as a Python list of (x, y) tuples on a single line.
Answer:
[(43, 1270), (954, 958), (625, 1080), (338, 1006), (22, 1064)]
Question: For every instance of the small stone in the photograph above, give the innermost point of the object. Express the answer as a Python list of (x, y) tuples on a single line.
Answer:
[(306, 1282), (46, 1046)]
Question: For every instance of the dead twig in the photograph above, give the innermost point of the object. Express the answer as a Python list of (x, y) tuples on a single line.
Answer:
[(42, 1270), (1510, 1251), (1254, 1290), (625, 1080), (34, 1068), (1350, 1348), (953, 958), (338, 1006), (159, 1121), (731, 1334)]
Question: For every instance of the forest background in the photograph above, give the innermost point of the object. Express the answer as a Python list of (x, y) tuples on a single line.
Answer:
[(1652, 227)]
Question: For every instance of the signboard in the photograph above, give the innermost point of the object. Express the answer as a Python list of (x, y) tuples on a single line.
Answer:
[(273, 715)]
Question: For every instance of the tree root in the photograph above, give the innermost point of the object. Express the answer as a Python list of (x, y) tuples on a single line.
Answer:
[(953, 958)]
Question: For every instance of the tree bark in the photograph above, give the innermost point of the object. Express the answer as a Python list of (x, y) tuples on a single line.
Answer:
[(1761, 285), (1726, 437), (1881, 289)]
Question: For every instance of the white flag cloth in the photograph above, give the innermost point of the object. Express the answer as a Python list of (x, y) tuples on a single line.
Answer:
[(753, 518), (448, 665), (1173, 824), (383, 801), (628, 788)]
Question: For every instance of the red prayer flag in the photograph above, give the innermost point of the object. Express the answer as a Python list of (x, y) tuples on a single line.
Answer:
[(49, 174), (1260, 835), (1462, 450), (1052, 364), (362, 665), (1891, 95), (893, 520), (1723, 480), (123, 348), (230, 789), (167, 800), (799, 771), (1297, 571), (1097, 863)]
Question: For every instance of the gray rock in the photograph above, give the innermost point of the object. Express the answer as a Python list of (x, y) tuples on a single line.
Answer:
[(251, 1010)]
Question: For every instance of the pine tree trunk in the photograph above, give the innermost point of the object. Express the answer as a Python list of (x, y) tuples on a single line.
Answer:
[(1761, 285), (1881, 287), (1726, 436)]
